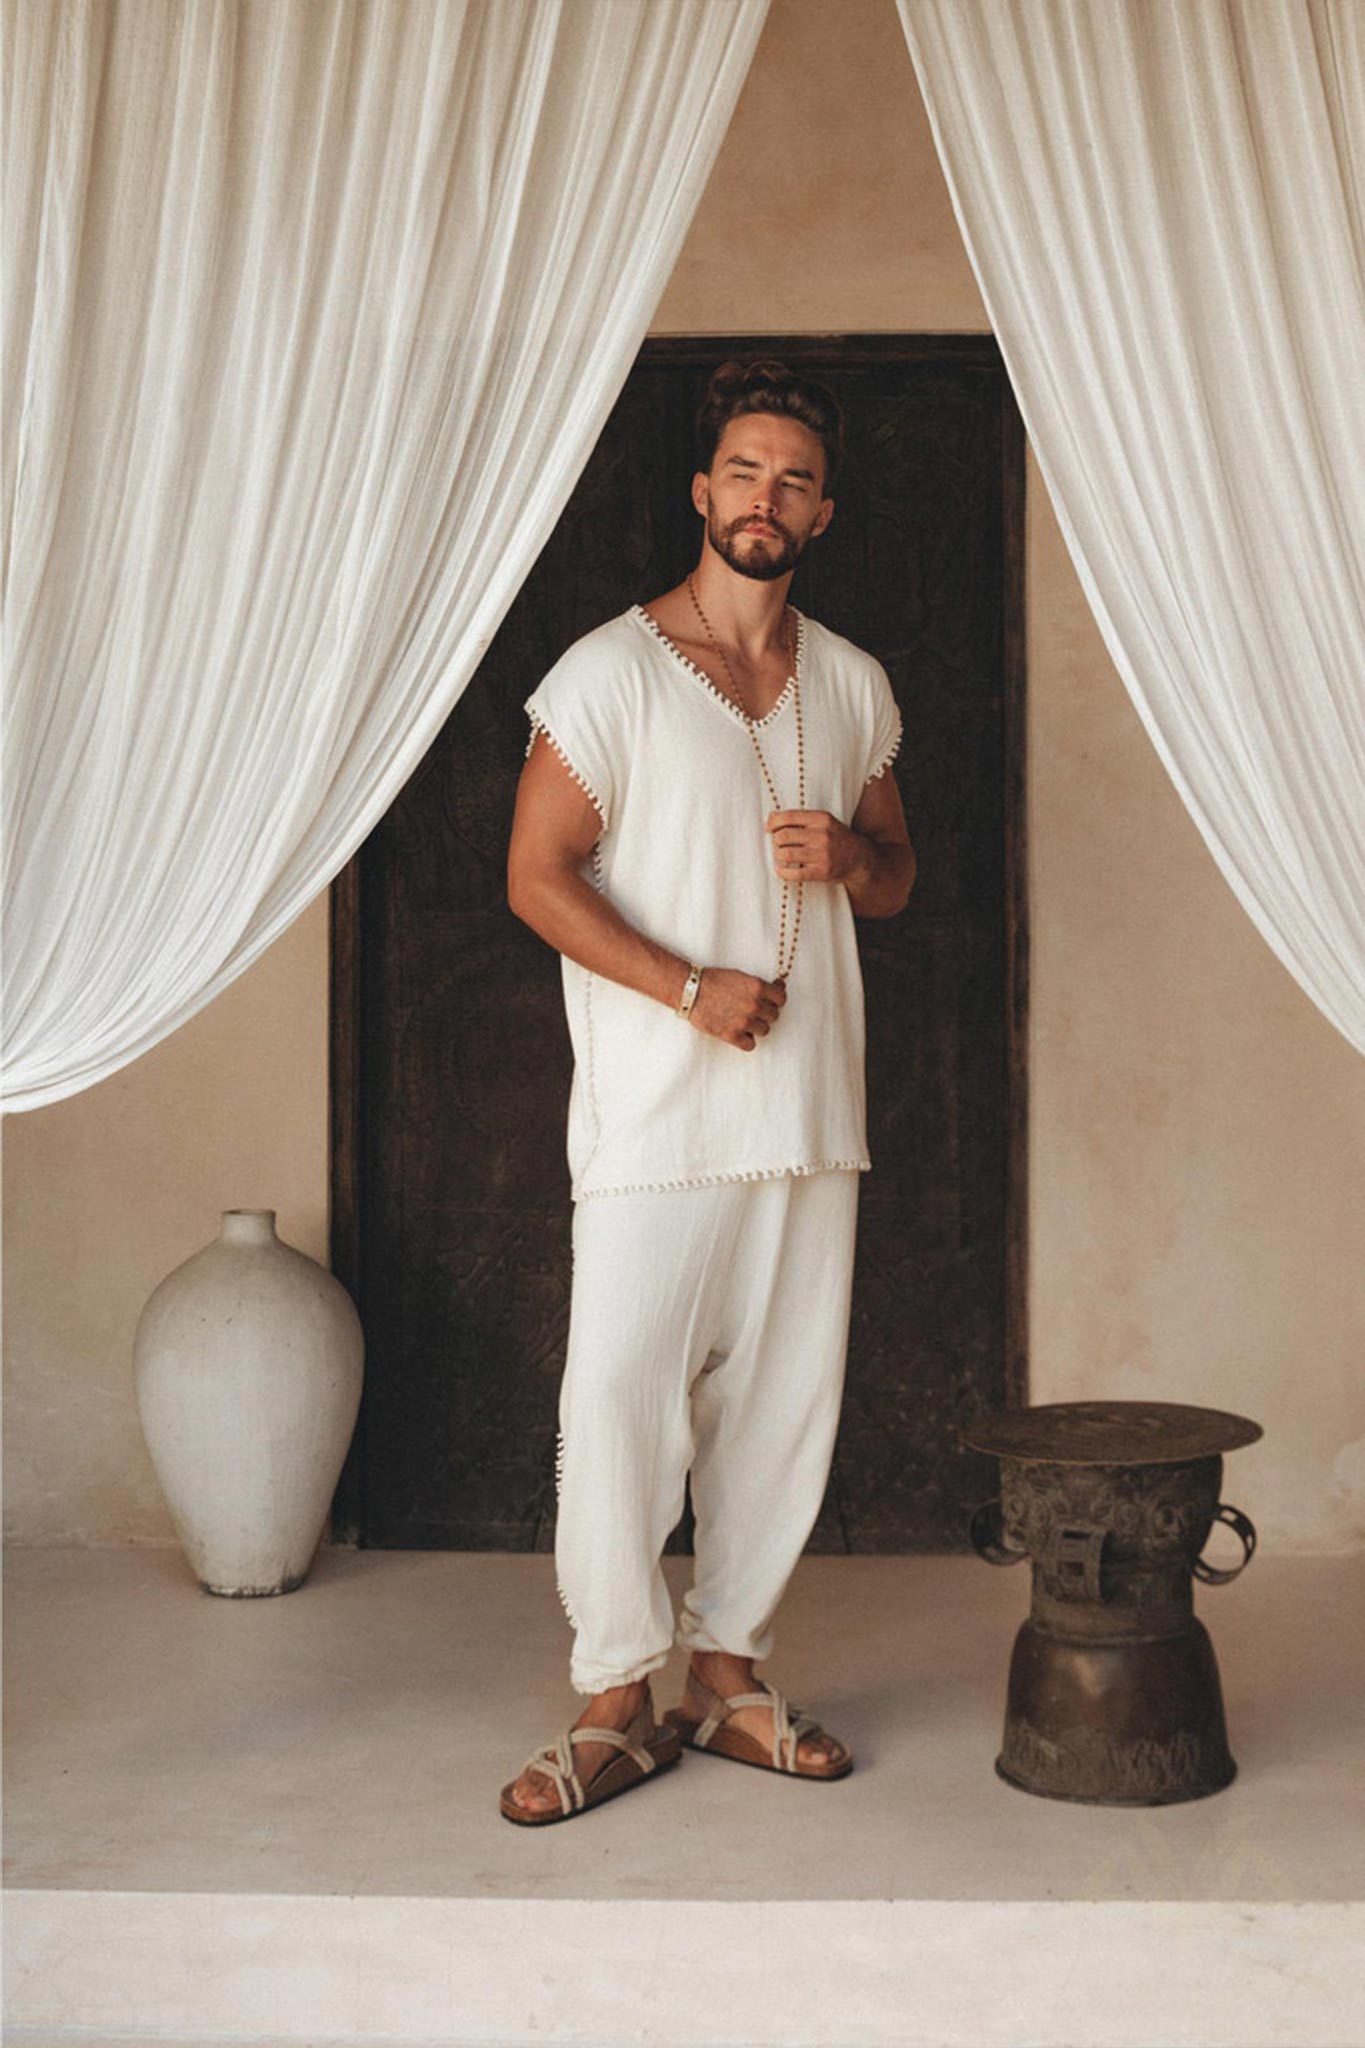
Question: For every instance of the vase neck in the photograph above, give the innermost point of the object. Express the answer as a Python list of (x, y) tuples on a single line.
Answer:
[(249, 1226)]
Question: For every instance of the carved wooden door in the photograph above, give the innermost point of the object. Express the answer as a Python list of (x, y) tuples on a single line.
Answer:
[(451, 1060)]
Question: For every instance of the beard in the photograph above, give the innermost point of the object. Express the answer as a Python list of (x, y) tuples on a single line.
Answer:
[(762, 558)]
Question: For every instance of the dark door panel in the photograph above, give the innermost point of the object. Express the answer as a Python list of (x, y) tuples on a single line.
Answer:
[(451, 1060)]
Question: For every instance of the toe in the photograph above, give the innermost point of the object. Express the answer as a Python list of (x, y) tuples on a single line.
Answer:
[(534, 1794)]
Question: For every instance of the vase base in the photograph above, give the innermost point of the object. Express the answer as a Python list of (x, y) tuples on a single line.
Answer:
[(254, 1592)]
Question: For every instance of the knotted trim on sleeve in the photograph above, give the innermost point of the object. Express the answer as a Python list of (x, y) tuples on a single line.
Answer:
[(888, 757), (538, 725)]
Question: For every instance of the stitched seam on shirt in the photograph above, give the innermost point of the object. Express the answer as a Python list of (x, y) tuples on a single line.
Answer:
[(593, 1104), (700, 673), (711, 1180), (538, 725)]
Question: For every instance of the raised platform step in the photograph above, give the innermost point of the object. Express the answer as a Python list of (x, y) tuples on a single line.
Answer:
[(275, 1821)]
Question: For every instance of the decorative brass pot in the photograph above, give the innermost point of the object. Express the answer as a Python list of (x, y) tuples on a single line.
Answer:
[(1114, 1697)]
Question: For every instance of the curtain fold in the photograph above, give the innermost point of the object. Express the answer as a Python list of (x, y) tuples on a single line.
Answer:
[(313, 314), (1163, 207)]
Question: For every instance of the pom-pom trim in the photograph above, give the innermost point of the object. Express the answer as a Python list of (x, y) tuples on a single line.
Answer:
[(651, 625), (712, 1180), (889, 757), (538, 725)]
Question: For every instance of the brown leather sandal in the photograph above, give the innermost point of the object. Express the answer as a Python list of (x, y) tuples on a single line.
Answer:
[(789, 1725), (647, 1750)]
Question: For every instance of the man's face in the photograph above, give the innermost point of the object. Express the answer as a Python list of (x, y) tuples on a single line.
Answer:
[(761, 500)]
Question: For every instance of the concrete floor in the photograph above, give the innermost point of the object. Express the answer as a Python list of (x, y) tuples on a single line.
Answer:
[(255, 1782)]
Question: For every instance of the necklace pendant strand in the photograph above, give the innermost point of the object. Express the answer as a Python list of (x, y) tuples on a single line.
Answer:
[(785, 955)]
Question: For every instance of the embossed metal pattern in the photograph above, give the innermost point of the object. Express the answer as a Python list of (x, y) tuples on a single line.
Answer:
[(1142, 1773), (1158, 1512), (1114, 1696)]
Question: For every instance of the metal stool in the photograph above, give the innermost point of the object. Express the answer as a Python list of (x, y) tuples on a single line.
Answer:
[(1114, 1697)]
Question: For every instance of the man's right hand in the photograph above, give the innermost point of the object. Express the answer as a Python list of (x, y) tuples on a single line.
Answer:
[(738, 1008), (555, 828)]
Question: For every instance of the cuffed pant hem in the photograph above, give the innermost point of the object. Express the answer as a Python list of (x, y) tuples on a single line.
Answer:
[(591, 1679), (691, 1636)]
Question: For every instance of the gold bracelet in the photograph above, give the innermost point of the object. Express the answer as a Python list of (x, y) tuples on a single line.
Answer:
[(689, 994)]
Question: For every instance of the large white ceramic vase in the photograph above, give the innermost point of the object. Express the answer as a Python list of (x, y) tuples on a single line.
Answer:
[(247, 1364)]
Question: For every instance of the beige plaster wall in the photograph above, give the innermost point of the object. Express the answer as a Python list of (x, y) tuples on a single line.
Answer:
[(1197, 1169), (107, 1191), (1197, 1173)]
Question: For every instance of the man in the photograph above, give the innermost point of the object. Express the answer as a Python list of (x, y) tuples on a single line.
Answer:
[(705, 805)]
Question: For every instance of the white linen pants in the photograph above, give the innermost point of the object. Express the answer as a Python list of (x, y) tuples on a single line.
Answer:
[(708, 1329)]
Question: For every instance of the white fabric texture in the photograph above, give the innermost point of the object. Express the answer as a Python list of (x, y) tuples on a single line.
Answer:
[(313, 315), (686, 859), (1163, 208), (708, 1330)]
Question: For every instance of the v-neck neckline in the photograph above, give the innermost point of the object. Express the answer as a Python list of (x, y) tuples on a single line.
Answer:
[(651, 625)]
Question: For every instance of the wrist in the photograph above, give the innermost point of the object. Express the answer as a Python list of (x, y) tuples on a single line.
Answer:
[(862, 869), (688, 997)]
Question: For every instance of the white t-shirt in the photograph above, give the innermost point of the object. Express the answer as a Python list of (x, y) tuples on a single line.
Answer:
[(684, 856)]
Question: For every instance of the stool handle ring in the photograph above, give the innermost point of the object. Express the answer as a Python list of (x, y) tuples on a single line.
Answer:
[(1242, 1526), (1074, 1557), (986, 1531)]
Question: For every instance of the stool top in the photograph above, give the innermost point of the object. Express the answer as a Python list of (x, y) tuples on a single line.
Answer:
[(1109, 1432)]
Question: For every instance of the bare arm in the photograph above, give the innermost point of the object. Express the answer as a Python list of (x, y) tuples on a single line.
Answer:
[(872, 857), (554, 829), (884, 868)]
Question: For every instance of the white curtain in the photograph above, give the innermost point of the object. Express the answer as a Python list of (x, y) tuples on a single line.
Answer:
[(1163, 204), (314, 310)]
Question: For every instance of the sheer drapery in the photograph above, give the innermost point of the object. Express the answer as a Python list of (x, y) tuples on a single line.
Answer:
[(313, 315), (1163, 207)]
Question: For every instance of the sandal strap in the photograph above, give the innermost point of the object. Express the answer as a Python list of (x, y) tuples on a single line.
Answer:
[(641, 1756), (556, 1760), (717, 1707), (789, 1723)]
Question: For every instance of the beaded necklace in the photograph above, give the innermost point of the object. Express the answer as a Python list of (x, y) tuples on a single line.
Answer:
[(785, 957)]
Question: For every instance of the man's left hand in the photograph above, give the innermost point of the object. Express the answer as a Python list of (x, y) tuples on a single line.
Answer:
[(815, 846)]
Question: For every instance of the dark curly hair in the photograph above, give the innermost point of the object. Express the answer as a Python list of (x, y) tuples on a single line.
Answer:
[(763, 385)]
